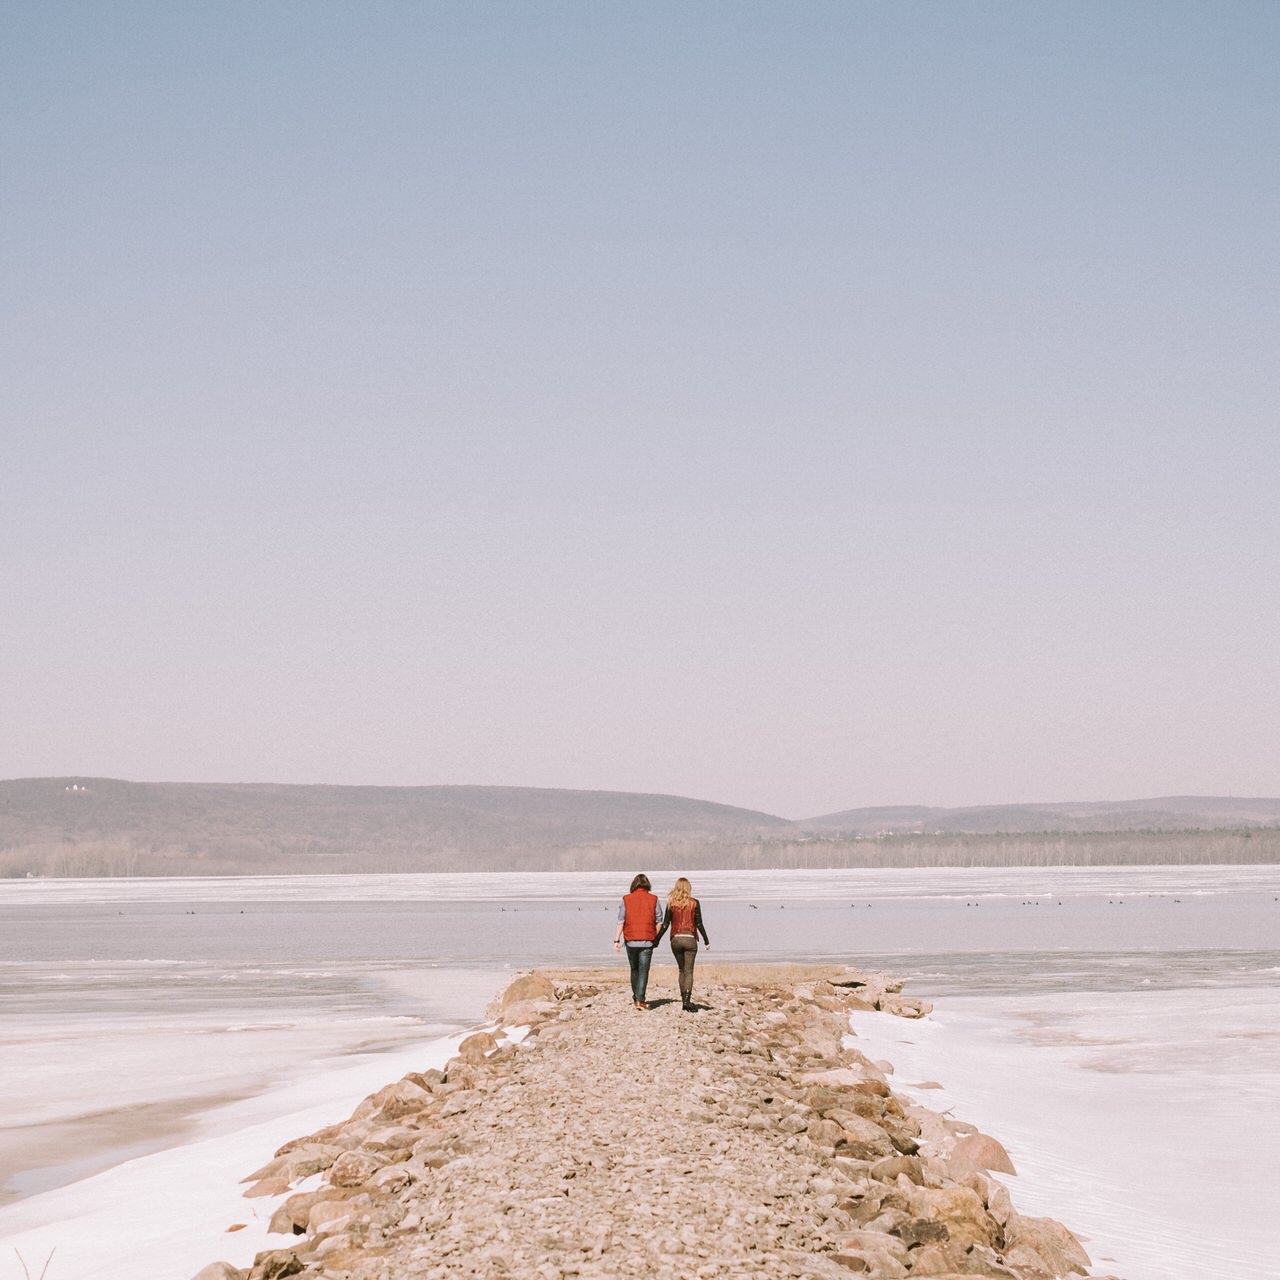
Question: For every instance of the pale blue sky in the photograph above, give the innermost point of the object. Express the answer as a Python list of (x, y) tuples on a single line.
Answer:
[(799, 406)]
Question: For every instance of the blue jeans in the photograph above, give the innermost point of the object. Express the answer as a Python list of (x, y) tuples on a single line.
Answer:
[(639, 958)]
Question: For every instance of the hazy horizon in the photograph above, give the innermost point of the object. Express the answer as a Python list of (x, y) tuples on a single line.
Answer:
[(797, 408)]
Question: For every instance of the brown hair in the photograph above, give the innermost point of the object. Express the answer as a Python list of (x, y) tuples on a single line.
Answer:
[(639, 882)]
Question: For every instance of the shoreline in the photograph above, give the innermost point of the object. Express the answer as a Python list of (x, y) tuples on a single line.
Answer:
[(154, 1065), (164, 1214), (53, 1154), (793, 1155)]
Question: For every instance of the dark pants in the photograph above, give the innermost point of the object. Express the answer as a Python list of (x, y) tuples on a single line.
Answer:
[(639, 958), (685, 951)]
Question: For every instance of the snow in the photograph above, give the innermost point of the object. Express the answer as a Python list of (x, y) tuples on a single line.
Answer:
[(167, 1215), (1115, 1028), (799, 884), (1157, 1146)]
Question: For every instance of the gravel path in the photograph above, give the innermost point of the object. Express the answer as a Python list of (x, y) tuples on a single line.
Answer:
[(748, 1138), (636, 1144)]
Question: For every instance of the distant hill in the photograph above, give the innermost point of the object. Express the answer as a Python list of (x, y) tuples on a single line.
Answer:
[(104, 826), (261, 827), (1170, 813)]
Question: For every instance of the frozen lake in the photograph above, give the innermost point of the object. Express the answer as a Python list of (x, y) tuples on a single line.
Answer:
[(147, 1019)]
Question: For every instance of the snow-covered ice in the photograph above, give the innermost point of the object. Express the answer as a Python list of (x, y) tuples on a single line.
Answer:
[(166, 1215), (1148, 1122), (1114, 1027)]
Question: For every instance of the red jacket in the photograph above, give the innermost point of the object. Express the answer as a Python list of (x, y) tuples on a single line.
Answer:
[(682, 918), (639, 924)]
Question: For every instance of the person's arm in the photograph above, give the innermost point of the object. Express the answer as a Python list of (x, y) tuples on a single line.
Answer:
[(617, 933), (663, 925), (697, 923)]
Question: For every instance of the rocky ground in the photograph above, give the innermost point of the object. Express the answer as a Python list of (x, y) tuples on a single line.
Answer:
[(745, 1139)]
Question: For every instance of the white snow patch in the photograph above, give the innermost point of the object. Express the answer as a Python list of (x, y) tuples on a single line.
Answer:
[(1127, 1116), (167, 1215)]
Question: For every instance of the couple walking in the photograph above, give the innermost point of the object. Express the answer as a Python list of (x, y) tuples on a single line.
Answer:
[(641, 924)]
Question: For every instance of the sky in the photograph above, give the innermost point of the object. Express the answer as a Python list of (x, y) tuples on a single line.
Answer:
[(796, 406)]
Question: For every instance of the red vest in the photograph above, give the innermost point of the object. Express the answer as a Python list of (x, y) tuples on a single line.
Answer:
[(682, 918), (638, 924)]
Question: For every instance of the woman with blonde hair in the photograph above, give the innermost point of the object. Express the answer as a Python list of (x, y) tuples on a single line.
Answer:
[(684, 918)]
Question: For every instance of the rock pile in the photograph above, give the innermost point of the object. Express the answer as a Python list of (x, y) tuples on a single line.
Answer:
[(749, 1140)]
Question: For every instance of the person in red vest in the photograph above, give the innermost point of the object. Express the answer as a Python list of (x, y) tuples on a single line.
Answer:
[(638, 920), (684, 919)]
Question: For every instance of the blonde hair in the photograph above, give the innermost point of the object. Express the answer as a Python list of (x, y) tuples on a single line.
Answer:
[(681, 893)]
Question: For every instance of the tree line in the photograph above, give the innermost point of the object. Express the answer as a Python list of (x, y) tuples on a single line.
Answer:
[(90, 857)]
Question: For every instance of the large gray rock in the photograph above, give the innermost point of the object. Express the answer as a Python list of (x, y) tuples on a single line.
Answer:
[(872, 1253), (269, 1170), (904, 1006), (353, 1168), (836, 1077), (291, 1217), (477, 1046), (861, 1138), (276, 1186), (400, 1099), (824, 1133), (392, 1137), (392, 1177), (328, 1216), (524, 1013), (977, 1151), (276, 1264), (893, 1167), (532, 986), (960, 1209), (916, 1231), (999, 1203), (952, 1259), (1061, 1251)]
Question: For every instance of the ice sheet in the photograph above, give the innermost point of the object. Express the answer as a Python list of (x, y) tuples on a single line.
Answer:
[(874, 883), (166, 1215), (1148, 1122), (1109, 992), (109, 1067)]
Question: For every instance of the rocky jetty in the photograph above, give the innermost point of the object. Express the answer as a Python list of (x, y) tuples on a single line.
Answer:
[(750, 1138)]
